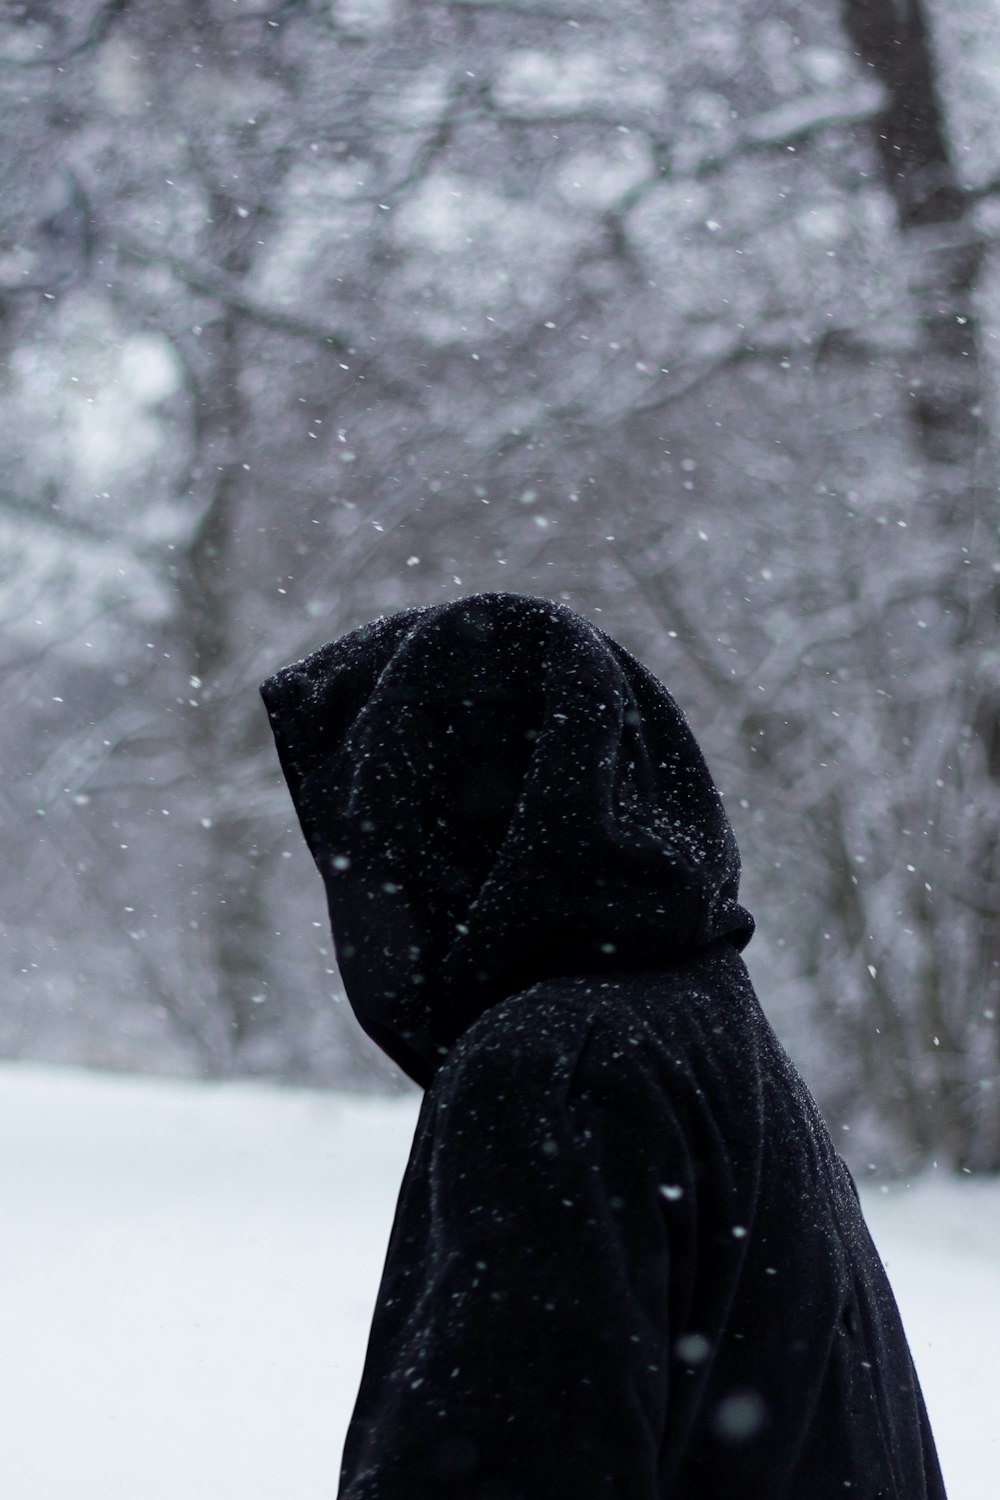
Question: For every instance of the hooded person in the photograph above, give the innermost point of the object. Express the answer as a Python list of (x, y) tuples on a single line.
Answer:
[(627, 1262)]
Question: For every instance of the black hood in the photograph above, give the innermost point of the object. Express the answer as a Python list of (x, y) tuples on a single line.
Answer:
[(496, 793)]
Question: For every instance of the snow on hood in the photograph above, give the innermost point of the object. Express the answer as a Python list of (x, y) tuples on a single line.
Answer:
[(496, 793)]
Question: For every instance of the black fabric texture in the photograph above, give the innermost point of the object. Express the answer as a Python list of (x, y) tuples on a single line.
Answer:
[(627, 1262)]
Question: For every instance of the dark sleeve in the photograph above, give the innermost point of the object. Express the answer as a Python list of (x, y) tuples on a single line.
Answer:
[(519, 1347)]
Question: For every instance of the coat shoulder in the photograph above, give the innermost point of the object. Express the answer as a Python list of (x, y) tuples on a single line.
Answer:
[(534, 1039), (561, 1033)]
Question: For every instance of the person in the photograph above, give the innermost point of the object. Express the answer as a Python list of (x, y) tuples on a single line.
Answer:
[(627, 1262)]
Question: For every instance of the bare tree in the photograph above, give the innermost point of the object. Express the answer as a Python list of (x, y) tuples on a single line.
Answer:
[(314, 312)]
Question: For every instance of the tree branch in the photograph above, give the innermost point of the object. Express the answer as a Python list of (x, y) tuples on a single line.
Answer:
[(99, 28), (223, 289), (775, 129)]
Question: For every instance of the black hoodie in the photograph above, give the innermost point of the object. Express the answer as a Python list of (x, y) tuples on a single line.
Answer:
[(627, 1261)]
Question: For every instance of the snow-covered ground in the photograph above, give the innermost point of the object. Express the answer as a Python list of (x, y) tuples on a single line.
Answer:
[(187, 1274)]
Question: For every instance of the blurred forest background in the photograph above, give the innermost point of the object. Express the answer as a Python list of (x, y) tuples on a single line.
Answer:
[(684, 314)]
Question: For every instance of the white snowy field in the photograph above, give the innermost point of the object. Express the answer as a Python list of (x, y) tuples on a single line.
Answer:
[(187, 1274)]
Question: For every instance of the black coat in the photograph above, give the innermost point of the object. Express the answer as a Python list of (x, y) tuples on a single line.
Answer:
[(627, 1262)]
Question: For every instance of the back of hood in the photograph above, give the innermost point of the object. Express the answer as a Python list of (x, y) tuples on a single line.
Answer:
[(495, 793)]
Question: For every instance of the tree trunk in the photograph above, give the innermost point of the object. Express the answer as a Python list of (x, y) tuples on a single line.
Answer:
[(947, 397)]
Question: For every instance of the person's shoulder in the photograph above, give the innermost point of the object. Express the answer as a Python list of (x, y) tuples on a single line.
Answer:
[(547, 1039), (534, 1037), (543, 1069), (559, 1032)]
